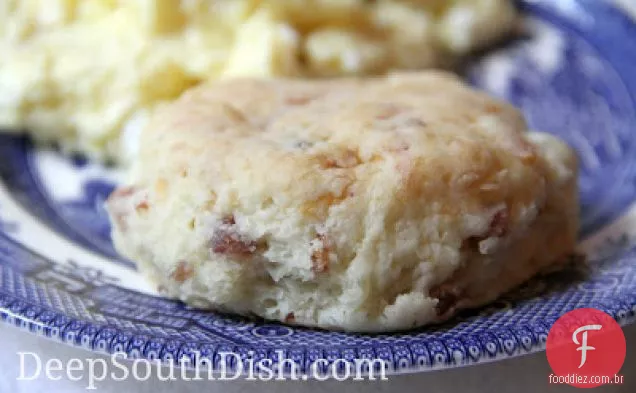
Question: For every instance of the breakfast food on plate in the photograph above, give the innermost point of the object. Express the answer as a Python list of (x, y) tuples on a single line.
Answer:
[(357, 204), (88, 73)]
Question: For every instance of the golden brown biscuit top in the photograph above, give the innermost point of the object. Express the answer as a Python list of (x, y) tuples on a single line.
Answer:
[(383, 115), (324, 142)]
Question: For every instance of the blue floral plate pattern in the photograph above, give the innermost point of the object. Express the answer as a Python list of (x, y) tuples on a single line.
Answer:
[(573, 75)]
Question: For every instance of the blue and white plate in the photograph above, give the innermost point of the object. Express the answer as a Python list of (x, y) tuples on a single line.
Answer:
[(574, 75)]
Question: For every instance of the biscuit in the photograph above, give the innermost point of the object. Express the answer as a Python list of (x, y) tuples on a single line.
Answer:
[(356, 204)]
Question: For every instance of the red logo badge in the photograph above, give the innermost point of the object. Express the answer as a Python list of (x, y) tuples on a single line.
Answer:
[(586, 348)]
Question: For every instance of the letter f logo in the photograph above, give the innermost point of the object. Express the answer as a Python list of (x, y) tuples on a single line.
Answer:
[(583, 346)]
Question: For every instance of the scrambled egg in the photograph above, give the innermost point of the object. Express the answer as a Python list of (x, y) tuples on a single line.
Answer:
[(87, 73)]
